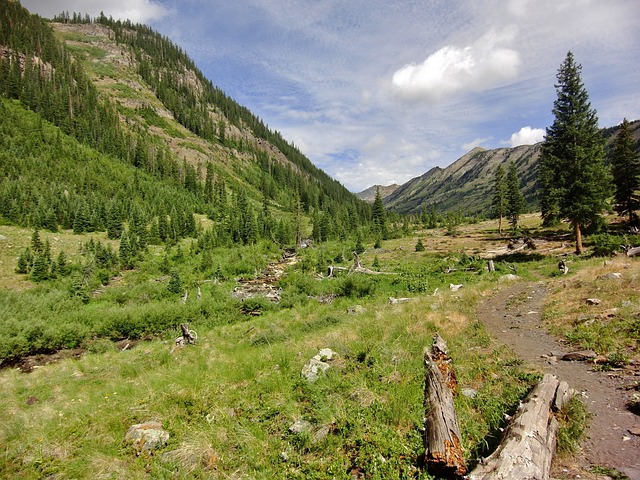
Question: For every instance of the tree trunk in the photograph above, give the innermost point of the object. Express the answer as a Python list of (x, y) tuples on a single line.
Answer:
[(529, 443), (444, 455), (577, 233)]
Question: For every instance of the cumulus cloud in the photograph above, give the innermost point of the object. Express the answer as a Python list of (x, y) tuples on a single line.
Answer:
[(140, 11), (451, 70), (527, 136)]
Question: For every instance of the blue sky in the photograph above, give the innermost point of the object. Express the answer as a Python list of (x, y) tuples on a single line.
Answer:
[(377, 92)]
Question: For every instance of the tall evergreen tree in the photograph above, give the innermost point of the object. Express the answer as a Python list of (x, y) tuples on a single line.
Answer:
[(515, 199), (572, 171), (499, 201), (625, 166), (379, 216)]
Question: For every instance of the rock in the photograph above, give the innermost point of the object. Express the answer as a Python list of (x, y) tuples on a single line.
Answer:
[(300, 426), (610, 276), (593, 301), (321, 433), (313, 369), (508, 278), (325, 354), (356, 309), (146, 437), (612, 312), (469, 392), (635, 430), (579, 356), (455, 288)]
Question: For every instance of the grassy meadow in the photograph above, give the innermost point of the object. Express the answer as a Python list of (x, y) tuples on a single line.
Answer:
[(231, 401)]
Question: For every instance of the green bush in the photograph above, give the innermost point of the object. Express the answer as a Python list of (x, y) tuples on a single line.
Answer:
[(356, 286), (605, 245)]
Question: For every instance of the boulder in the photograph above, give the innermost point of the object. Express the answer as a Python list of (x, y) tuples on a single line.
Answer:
[(579, 356), (313, 369), (146, 437)]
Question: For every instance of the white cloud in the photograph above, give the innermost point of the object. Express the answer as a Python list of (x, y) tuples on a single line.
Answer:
[(451, 70), (527, 136), (138, 11)]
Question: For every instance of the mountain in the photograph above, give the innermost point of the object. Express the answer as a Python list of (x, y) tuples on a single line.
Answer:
[(129, 94), (369, 195), (466, 185)]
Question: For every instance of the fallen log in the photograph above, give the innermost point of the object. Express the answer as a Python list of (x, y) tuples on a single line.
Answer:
[(444, 455), (529, 443), (332, 270), (358, 268), (632, 252)]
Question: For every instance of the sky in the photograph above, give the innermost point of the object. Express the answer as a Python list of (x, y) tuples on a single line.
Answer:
[(377, 92)]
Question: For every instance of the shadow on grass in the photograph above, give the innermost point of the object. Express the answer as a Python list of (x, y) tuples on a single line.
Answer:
[(519, 257)]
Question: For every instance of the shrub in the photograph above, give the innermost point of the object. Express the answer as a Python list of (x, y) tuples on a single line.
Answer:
[(605, 245), (357, 286)]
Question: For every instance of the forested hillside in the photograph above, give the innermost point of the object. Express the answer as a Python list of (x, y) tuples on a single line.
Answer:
[(122, 95)]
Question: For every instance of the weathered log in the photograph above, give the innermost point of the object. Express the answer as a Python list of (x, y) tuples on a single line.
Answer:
[(529, 442), (188, 336), (358, 268), (332, 270), (444, 455), (491, 266), (632, 252)]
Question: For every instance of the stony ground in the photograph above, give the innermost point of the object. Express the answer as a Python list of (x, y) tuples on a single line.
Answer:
[(513, 317)]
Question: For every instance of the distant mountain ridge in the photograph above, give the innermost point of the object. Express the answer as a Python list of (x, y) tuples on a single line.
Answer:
[(467, 184), (369, 195)]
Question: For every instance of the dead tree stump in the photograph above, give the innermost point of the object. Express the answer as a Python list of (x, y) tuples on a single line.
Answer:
[(529, 443), (443, 451), (188, 336)]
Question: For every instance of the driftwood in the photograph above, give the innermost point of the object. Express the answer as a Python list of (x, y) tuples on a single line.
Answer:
[(188, 336), (358, 268), (529, 443), (332, 270), (632, 252), (444, 455)]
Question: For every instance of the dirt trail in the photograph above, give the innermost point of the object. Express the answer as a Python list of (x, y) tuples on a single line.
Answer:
[(513, 317)]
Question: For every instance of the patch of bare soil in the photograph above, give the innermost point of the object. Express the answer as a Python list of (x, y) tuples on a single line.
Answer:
[(513, 317)]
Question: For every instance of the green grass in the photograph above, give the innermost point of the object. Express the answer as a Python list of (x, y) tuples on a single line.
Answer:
[(229, 401)]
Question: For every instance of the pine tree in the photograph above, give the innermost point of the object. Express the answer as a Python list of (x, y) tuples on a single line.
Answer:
[(24, 261), (379, 215), (175, 284), (499, 202), (40, 268), (36, 244), (625, 166), (515, 200), (62, 264), (572, 171)]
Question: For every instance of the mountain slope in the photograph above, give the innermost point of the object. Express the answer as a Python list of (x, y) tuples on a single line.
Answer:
[(128, 92), (467, 184), (369, 194)]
